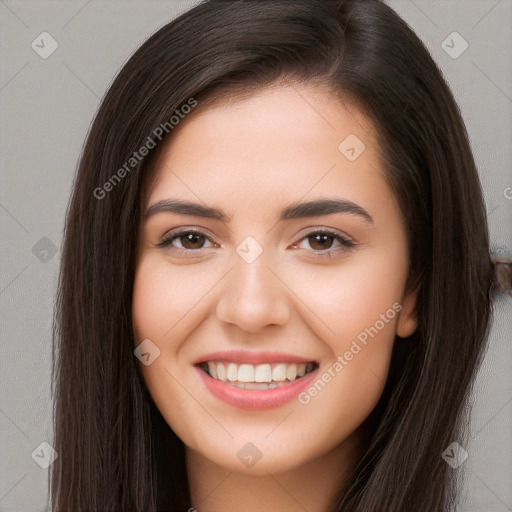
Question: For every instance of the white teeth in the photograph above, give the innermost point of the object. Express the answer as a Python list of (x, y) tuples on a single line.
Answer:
[(221, 371), (212, 370), (246, 373), (291, 372), (258, 385), (279, 372), (232, 372), (260, 376), (263, 373)]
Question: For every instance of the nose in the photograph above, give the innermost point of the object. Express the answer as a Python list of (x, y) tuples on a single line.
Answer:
[(252, 297)]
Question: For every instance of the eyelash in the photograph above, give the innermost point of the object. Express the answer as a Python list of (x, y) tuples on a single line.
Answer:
[(346, 244)]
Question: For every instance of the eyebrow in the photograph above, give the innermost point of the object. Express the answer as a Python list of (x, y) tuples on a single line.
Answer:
[(297, 210)]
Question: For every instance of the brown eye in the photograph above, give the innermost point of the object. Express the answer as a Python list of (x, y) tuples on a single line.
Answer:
[(325, 243), (321, 241), (192, 240), (186, 241)]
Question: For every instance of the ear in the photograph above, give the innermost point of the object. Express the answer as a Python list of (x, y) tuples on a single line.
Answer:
[(408, 319)]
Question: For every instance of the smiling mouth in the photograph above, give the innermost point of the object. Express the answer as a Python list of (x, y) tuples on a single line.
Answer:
[(258, 376)]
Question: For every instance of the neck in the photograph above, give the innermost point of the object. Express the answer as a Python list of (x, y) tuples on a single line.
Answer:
[(313, 486)]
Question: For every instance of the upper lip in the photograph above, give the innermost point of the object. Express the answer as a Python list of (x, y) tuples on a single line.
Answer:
[(244, 356)]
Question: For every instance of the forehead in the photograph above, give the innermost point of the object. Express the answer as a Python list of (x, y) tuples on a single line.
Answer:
[(283, 141)]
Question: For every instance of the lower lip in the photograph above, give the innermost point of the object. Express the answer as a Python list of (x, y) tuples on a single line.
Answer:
[(253, 398)]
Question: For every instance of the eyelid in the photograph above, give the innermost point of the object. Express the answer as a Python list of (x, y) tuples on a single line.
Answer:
[(181, 231), (345, 241), (314, 230)]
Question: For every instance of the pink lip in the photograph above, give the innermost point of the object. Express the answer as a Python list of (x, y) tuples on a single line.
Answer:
[(256, 399), (244, 356)]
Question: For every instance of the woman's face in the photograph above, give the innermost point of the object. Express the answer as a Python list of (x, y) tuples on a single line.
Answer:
[(269, 314)]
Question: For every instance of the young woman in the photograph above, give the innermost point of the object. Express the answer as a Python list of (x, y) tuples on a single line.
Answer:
[(274, 220)]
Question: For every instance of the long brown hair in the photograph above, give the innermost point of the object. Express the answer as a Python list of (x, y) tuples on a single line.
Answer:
[(116, 452)]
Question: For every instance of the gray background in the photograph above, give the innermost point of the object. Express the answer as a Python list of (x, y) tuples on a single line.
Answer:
[(46, 108)]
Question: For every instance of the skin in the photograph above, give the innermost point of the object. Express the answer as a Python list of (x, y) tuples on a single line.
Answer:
[(251, 158)]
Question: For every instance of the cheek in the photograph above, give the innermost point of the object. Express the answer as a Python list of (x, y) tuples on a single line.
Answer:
[(358, 303), (151, 294), (364, 320), (347, 391), (163, 307), (365, 290), (164, 296)]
